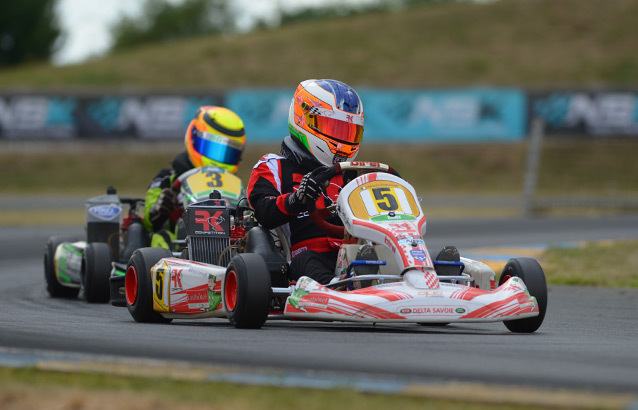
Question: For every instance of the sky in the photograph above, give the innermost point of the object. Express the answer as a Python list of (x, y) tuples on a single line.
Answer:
[(87, 22)]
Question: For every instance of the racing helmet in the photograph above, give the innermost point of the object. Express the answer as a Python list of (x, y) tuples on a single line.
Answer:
[(215, 137), (326, 116)]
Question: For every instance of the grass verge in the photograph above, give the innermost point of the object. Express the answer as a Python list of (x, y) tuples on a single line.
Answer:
[(30, 388), (568, 167), (606, 263)]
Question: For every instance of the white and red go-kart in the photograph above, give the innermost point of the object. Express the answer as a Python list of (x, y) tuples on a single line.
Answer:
[(377, 208)]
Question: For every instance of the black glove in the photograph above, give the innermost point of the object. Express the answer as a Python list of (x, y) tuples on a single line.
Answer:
[(166, 203), (309, 190)]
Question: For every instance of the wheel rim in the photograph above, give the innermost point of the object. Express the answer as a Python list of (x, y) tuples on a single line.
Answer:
[(230, 290), (504, 279), (131, 285)]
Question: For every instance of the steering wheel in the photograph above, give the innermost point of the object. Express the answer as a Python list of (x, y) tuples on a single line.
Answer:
[(319, 216)]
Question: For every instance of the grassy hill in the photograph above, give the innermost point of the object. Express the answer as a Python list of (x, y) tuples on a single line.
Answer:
[(528, 43)]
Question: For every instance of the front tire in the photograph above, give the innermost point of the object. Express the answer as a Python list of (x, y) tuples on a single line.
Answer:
[(533, 276), (54, 288), (139, 286), (97, 271), (247, 291)]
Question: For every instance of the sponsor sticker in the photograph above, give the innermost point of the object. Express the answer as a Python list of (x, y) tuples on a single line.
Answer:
[(432, 310), (433, 293), (419, 255), (106, 212), (298, 251), (316, 301), (208, 222), (389, 285)]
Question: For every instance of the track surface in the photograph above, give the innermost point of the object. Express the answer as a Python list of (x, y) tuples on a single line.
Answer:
[(588, 339)]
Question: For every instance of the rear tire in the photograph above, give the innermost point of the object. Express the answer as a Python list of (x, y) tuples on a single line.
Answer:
[(97, 271), (247, 291), (54, 288), (533, 276), (139, 285)]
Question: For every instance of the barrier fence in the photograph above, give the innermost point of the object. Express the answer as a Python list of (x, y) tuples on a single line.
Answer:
[(444, 115)]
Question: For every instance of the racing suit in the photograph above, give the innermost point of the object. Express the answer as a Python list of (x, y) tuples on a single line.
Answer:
[(161, 235), (273, 178)]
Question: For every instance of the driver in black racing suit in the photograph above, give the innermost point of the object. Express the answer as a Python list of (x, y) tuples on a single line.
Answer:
[(326, 126), (214, 137)]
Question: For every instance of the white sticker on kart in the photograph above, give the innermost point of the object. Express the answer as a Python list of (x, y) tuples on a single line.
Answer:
[(383, 200)]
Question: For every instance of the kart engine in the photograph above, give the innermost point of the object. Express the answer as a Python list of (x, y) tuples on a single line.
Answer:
[(208, 232)]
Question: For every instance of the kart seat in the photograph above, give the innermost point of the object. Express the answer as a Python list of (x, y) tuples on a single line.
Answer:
[(261, 242)]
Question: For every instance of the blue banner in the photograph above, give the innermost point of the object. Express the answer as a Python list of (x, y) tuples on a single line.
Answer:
[(411, 115), (264, 112), (461, 115), (465, 115)]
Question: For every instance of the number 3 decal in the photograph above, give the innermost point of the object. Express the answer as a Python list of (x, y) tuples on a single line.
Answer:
[(216, 179)]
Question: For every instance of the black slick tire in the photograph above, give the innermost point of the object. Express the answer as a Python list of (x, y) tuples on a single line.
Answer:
[(533, 276), (247, 291), (97, 271), (139, 284)]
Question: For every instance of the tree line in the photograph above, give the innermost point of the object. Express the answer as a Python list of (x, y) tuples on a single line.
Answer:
[(30, 29)]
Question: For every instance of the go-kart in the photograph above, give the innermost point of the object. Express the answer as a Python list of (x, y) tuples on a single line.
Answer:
[(192, 187), (71, 264), (400, 283)]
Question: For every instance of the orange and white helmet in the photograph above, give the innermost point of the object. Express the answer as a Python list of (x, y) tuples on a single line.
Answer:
[(215, 137), (327, 117)]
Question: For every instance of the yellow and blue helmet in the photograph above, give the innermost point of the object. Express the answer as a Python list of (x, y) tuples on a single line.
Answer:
[(216, 137)]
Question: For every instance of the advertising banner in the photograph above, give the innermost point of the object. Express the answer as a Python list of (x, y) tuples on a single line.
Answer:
[(453, 115), (445, 115), (35, 116), (106, 116), (264, 112), (414, 116), (596, 113)]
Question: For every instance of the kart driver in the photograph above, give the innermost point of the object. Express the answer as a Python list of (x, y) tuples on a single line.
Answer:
[(326, 126), (214, 137)]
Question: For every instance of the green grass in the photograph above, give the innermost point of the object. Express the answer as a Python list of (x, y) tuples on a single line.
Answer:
[(608, 264), (505, 43), (603, 168), (30, 388)]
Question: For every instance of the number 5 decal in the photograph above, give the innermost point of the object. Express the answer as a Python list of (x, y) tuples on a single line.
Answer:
[(384, 199), (159, 283)]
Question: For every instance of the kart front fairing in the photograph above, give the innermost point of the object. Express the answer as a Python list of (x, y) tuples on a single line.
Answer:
[(404, 302), (383, 209), (198, 183)]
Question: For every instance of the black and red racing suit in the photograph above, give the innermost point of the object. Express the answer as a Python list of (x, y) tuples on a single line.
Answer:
[(272, 179)]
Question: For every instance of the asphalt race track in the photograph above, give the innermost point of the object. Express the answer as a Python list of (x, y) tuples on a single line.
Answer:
[(588, 340)]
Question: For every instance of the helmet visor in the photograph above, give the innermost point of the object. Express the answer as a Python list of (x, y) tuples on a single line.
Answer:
[(343, 131), (216, 147)]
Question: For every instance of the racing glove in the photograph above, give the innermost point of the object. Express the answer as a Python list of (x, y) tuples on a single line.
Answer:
[(309, 190), (161, 210)]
